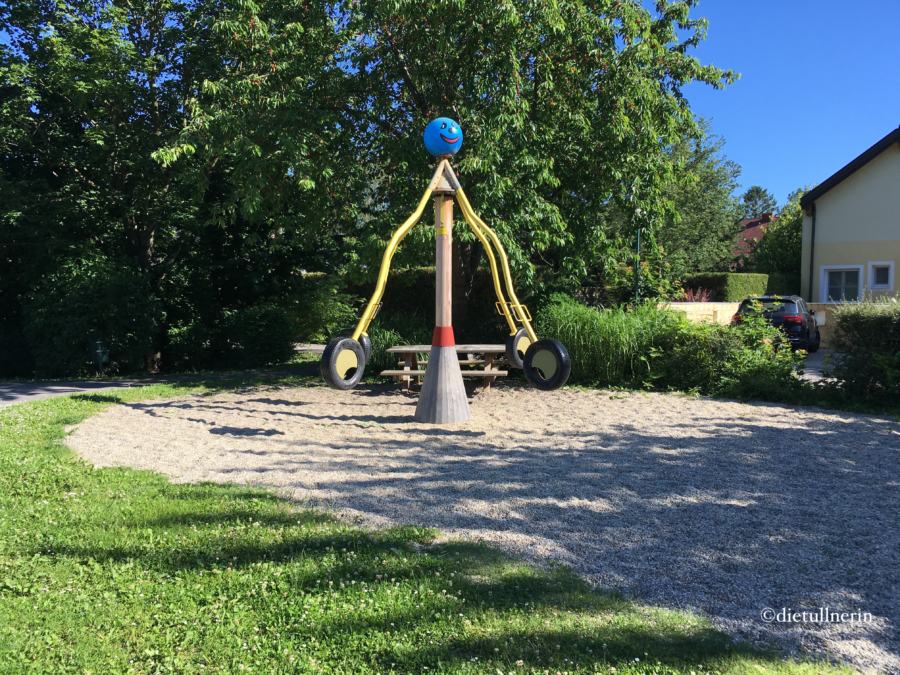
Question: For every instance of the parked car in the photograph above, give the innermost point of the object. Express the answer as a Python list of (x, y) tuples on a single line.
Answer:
[(788, 312)]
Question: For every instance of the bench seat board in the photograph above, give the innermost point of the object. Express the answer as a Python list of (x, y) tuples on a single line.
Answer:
[(465, 373)]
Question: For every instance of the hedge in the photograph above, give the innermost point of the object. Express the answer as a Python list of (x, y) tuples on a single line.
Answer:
[(783, 283), (867, 342), (729, 286)]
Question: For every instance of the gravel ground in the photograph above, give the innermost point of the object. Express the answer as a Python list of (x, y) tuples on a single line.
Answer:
[(721, 507)]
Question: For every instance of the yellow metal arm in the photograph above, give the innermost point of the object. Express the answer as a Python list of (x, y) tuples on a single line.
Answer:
[(472, 217), (397, 237)]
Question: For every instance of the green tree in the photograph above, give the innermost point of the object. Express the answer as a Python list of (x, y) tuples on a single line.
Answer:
[(93, 92), (568, 108), (92, 89), (212, 152), (699, 235), (779, 249), (757, 201)]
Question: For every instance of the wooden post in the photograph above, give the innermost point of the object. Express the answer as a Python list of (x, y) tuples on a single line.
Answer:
[(443, 257), (443, 397)]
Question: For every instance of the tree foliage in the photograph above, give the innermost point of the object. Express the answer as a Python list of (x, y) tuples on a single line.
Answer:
[(223, 149), (699, 236), (758, 201), (780, 249)]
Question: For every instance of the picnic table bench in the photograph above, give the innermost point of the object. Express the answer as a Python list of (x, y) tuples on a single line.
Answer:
[(414, 358)]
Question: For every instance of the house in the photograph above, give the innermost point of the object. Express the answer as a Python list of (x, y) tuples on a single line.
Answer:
[(752, 230), (851, 228)]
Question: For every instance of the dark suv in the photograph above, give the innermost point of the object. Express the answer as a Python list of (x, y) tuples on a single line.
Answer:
[(788, 312)]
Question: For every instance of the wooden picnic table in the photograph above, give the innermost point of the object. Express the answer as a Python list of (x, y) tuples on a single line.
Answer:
[(414, 358)]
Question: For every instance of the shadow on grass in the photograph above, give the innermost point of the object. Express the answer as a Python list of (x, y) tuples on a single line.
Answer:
[(549, 618)]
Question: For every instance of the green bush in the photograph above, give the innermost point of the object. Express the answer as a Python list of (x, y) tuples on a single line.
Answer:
[(188, 347), (783, 283), (324, 308), (729, 286), (15, 352), (86, 301), (246, 337), (867, 341), (752, 360), (409, 298), (660, 349), (258, 335), (389, 330)]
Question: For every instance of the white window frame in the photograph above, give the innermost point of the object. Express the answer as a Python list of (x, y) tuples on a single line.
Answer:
[(823, 282), (881, 263)]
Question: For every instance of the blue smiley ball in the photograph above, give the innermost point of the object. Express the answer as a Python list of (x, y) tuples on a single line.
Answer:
[(443, 136)]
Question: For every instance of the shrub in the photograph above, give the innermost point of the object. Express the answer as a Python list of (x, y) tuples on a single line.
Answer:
[(389, 330), (867, 338), (259, 335), (86, 301), (698, 294), (245, 337), (324, 308), (188, 347), (15, 352), (729, 286), (409, 298), (661, 349), (761, 365)]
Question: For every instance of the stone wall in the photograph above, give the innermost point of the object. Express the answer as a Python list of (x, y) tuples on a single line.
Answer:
[(715, 312)]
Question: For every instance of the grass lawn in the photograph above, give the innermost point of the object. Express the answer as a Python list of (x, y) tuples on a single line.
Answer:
[(112, 570)]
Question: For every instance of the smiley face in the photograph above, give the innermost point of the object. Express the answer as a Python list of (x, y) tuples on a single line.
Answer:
[(443, 136)]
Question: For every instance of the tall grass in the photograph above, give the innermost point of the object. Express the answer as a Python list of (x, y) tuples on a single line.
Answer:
[(613, 347)]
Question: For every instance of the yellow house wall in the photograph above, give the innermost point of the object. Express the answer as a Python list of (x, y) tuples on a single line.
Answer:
[(857, 223)]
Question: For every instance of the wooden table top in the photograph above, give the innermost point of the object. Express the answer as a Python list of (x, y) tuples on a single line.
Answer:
[(475, 349)]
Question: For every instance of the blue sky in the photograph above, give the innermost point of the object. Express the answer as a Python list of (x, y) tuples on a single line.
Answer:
[(820, 83)]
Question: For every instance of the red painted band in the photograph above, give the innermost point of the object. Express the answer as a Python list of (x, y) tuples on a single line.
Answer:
[(443, 337)]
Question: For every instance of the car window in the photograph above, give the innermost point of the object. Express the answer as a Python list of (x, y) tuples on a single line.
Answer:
[(770, 306)]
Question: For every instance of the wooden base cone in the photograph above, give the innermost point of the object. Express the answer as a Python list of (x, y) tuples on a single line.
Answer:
[(443, 397)]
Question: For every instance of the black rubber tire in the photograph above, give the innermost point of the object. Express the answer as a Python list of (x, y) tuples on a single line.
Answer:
[(366, 343), (364, 340), (547, 364), (339, 369), (515, 356), (814, 346)]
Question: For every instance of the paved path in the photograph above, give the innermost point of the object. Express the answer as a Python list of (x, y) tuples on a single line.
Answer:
[(815, 364), (20, 392)]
